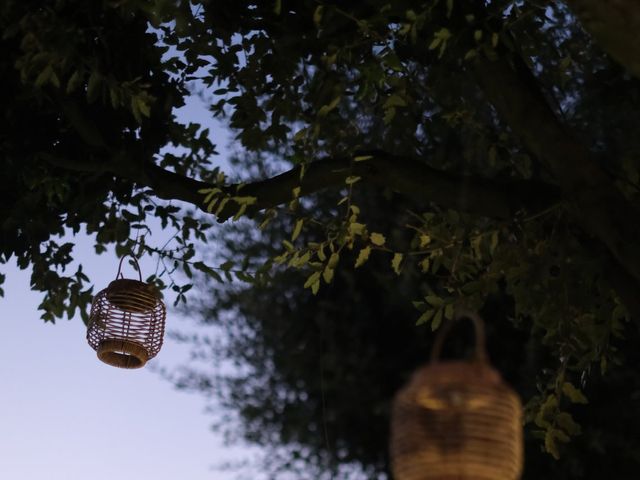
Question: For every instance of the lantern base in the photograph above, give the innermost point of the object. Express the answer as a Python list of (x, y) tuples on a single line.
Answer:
[(122, 353)]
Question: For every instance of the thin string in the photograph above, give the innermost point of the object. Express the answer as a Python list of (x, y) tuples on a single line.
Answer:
[(323, 404)]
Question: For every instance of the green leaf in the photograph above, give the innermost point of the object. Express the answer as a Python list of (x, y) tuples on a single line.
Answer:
[(326, 109), (226, 266), (321, 255), (562, 436), (548, 410), (280, 259), (202, 267), (396, 262), (297, 229), (424, 264), (350, 180), (245, 277), (299, 261), (472, 287), (245, 200), (440, 40), (437, 320), (313, 278), (494, 39), (115, 95), (317, 15), (394, 100), (55, 80), (74, 82), (44, 77), (300, 134), (240, 212), (143, 106), (425, 317), (434, 43), (473, 53), (493, 243), (603, 365), (424, 240), (449, 311), (443, 34), (212, 203), (363, 256), (356, 228), (573, 394), (434, 300), (135, 109), (566, 422), (550, 444), (449, 8), (95, 80), (389, 115), (209, 192), (377, 239), (221, 205), (327, 274)]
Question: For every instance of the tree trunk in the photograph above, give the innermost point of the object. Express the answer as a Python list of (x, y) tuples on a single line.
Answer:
[(596, 204), (615, 26)]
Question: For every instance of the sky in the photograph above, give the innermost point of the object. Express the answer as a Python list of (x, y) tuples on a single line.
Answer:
[(64, 415)]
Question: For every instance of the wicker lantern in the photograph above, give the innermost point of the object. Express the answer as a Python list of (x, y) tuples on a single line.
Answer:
[(126, 324), (457, 420)]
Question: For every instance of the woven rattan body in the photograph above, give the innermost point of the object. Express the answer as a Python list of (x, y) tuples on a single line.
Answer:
[(126, 325), (456, 421)]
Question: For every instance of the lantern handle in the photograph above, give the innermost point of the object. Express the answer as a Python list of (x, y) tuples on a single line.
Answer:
[(480, 354), (135, 261)]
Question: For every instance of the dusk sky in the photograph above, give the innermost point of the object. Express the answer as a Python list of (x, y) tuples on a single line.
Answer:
[(65, 415)]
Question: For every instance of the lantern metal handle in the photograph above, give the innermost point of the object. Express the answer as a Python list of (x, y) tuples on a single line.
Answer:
[(480, 354), (135, 261)]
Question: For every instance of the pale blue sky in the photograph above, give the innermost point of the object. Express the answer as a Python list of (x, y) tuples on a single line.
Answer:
[(64, 415)]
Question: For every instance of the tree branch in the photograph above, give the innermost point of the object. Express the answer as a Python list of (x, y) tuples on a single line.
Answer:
[(614, 24), (410, 177), (597, 205)]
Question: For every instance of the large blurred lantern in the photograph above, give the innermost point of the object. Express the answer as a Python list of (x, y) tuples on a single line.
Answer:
[(457, 420), (126, 325)]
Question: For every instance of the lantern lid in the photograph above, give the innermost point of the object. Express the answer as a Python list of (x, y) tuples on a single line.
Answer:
[(129, 284), (458, 371)]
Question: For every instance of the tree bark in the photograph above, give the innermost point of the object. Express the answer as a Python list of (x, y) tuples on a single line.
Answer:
[(406, 176), (615, 25), (596, 204)]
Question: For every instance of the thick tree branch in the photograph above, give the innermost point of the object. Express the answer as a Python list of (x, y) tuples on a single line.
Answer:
[(598, 207), (407, 176), (614, 25), (411, 178)]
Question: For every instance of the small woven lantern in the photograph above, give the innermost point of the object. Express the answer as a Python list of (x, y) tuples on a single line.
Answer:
[(457, 420), (126, 325)]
